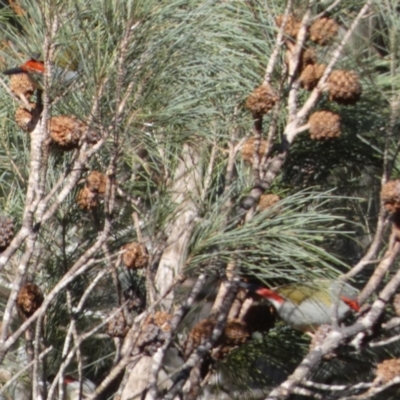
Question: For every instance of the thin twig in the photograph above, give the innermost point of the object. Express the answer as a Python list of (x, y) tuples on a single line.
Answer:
[(278, 44), (176, 319), (327, 10)]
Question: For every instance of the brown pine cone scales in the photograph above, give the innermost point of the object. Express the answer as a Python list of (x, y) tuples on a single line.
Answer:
[(29, 299), (23, 118), (248, 149), (161, 319), (135, 256), (96, 182), (22, 85), (310, 75), (235, 333), (95, 187), (117, 326), (387, 370), (267, 201), (324, 125), (154, 331), (323, 30), (344, 87), (66, 131), (308, 57), (390, 195), (6, 232), (198, 335), (86, 199), (261, 100), (292, 25)]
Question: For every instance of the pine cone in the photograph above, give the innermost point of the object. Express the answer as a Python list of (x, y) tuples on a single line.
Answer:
[(390, 195), (308, 57), (161, 319), (387, 370), (96, 182), (310, 75), (6, 232), (292, 26), (117, 326), (396, 304), (29, 299), (66, 131), (267, 201), (154, 331), (198, 335), (323, 30), (262, 100), (344, 87), (135, 256), (234, 335), (324, 125), (86, 199), (248, 149), (235, 332), (23, 118), (22, 85)]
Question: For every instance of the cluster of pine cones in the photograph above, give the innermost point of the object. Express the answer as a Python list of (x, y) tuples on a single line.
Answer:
[(66, 133), (342, 86)]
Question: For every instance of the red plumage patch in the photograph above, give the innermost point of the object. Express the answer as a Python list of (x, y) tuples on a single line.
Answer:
[(33, 66), (353, 304)]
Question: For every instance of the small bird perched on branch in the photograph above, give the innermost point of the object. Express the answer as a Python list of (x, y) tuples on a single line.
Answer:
[(306, 306), (32, 66), (35, 67), (27, 78)]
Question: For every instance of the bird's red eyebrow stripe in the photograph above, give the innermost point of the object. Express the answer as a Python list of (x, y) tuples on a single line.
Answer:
[(351, 303), (270, 294), (33, 66)]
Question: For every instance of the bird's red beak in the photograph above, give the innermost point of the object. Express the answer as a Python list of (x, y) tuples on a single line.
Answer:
[(261, 291), (269, 294)]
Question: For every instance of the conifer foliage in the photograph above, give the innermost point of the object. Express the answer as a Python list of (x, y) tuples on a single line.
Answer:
[(160, 158)]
